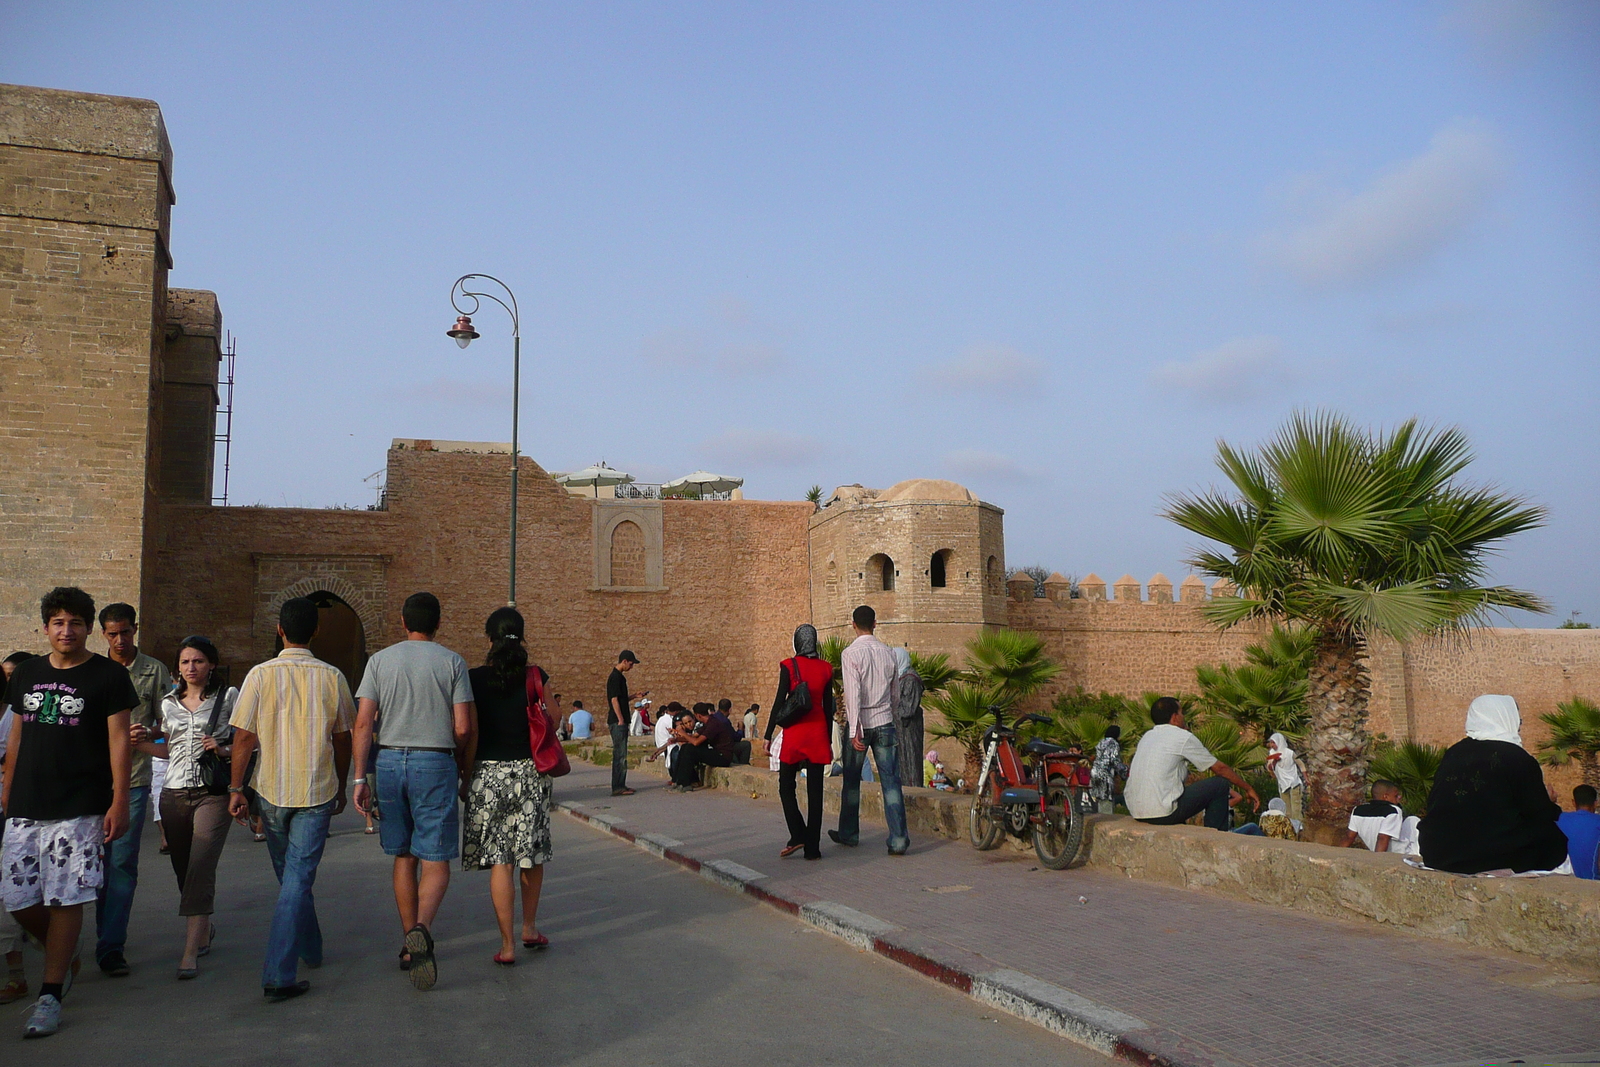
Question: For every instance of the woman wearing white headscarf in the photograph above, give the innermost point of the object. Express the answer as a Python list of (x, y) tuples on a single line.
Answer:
[(908, 716), (1489, 809), (1291, 787)]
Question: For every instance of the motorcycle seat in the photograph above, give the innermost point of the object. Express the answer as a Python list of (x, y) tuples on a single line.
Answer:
[(1040, 747), (1019, 794)]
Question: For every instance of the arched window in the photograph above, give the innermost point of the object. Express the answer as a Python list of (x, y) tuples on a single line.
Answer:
[(627, 555), (939, 567), (880, 574), (993, 581)]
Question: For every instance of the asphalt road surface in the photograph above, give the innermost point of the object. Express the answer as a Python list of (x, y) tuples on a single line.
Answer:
[(649, 965)]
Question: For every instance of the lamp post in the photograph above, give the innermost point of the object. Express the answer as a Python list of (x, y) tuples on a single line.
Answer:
[(461, 292)]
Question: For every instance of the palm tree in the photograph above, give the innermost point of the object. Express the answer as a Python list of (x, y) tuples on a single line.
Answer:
[(935, 671), (1354, 534), (964, 714), (1011, 662), (1266, 694), (1574, 733)]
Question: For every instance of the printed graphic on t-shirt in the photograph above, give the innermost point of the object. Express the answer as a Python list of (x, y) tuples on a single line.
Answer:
[(53, 704)]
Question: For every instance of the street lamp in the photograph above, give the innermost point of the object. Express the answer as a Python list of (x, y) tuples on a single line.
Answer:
[(464, 335)]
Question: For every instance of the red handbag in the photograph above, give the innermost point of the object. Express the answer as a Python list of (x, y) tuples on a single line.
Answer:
[(544, 740)]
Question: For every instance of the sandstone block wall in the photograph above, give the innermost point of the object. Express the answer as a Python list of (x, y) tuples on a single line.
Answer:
[(734, 578), (85, 200), (190, 358)]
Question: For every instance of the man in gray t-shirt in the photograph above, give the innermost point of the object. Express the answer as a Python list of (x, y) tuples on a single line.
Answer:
[(417, 694)]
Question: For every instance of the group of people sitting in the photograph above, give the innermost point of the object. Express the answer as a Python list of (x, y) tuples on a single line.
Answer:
[(701, 736), (1489, 811)]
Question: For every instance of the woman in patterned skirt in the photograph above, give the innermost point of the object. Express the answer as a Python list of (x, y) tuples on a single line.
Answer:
[(507, 800)]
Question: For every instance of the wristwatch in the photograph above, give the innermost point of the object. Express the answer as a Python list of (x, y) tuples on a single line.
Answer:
[(359, 781), (236, 789)]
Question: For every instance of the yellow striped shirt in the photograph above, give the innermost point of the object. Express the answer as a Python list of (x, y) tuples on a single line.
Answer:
[(294, 705)]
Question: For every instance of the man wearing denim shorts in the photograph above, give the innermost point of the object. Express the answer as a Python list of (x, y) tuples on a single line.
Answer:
[(66, 790), (417, 695)]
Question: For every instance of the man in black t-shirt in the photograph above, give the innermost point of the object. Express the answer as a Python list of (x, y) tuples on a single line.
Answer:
[(66, 789), (617, 713)]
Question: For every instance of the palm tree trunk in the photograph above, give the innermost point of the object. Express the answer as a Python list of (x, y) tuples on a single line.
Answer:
[(1337, 746), (1591, 769), (972, 767)]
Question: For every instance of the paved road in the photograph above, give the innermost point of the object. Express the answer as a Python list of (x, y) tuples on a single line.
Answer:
[(1244, 983), (649, 965)]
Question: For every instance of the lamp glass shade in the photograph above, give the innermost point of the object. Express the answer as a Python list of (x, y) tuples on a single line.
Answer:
[(462, 339)]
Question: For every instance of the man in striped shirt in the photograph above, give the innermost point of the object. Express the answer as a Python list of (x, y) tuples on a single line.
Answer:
[(297, 712), (867, 672)]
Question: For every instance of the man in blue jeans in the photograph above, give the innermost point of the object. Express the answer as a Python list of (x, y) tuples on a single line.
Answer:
[(418, 697), (868, 671), (297, 712), (119, 625), (1155, 791)]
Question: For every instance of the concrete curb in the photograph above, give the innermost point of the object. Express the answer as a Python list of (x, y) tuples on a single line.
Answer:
[(1115, 1033)]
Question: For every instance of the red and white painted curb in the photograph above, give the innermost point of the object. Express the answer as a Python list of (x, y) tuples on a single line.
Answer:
[(1058, 1010)]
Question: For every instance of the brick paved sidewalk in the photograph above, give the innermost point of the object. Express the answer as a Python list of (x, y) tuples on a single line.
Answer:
[(1248, 983)]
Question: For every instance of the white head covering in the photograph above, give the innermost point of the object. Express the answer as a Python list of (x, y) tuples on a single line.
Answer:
[(1287, 774), (1494, 718), (1276, 806), (902, 662)]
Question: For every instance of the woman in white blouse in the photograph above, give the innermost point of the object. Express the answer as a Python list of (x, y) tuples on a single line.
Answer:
[(195, 735)]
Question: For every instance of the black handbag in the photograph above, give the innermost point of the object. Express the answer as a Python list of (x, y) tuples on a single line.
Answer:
[(216, 770), (797, 702)]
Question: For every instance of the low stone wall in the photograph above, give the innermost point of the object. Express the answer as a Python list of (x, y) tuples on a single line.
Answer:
[(1555, 919)]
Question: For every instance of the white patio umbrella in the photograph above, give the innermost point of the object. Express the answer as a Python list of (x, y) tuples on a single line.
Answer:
[(596, 476), (705, 482)]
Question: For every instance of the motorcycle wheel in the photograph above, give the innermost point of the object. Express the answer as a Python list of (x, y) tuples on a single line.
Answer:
[(1059, 835), (985, 825)]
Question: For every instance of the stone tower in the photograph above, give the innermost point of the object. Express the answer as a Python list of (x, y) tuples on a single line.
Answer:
[(85, 205), (927, 555)]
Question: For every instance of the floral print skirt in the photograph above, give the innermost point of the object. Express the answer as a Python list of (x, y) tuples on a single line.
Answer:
[(507, 817)]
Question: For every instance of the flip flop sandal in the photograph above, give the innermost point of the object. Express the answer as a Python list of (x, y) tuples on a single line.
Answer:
[(789, 850), (424, 969), (512, 962), (536, 942)]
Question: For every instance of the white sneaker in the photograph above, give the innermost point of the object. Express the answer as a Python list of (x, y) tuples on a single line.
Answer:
[(46, 1018)]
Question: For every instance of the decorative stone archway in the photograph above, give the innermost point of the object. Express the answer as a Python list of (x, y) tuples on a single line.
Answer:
[(359, 581)]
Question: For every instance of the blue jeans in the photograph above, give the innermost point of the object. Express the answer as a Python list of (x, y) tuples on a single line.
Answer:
[(122, 878), (886, 757), (417, 794), (295, 838)]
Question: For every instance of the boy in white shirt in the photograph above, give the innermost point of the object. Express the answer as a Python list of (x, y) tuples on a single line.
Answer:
[(1381, 824)]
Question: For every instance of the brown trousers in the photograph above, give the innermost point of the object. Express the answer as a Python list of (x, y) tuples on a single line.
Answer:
[(197, 828)]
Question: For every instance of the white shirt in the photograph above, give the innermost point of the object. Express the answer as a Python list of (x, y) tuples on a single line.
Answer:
[(869, 670), (1155, 777), (1381, 817), (663, 729)]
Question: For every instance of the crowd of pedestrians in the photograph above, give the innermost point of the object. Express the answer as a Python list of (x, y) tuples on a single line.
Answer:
[(426, 737)]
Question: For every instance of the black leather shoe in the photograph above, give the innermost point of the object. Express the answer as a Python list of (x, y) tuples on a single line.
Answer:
[(277, 993), (115, 964), (833, 835)]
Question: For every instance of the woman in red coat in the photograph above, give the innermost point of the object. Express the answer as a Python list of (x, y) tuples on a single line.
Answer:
[(807, 744)]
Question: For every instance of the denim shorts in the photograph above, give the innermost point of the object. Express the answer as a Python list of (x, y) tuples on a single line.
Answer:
[(417, 796)]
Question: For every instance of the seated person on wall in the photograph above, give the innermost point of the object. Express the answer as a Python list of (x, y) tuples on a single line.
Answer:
[(1155, 792), (1582, 827), (1381, 823), (1490, 809), (580, 724), (741, 744), (672, 726), (712, 745)]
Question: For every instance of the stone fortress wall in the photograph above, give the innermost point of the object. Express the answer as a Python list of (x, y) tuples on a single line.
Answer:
[(107, 414)]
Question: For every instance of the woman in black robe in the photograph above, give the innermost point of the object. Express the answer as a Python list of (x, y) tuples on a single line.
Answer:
[(1490, 809)]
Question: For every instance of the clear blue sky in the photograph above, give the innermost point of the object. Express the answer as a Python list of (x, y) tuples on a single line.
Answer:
[(1051, 251)]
